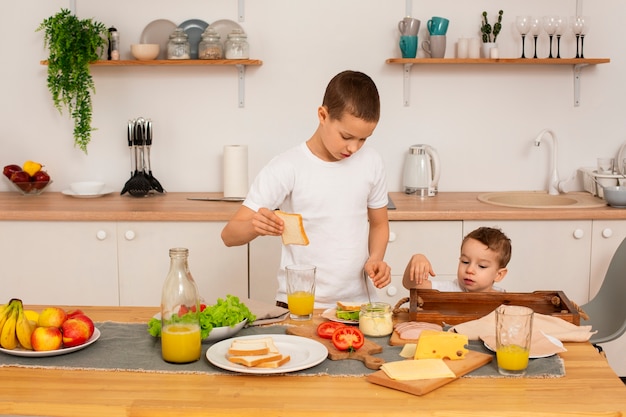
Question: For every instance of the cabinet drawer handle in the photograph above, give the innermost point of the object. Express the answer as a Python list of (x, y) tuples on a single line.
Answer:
[(101, 235), (607, 232), (392, 236), (129, 235), (579, 234), (391, 291)]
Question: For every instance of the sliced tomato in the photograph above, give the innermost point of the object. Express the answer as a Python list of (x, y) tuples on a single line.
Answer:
[(348, 338), (202, 308), (182, 310), (325, 330)]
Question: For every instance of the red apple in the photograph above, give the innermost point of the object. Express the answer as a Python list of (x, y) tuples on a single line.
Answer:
[(10, 169), (22, 180), (77, 330), (46, 338), (73, 313), (40, 179), (52, 317)]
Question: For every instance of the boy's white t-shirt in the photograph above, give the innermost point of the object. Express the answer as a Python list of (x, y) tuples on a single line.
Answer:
[(333, 198)]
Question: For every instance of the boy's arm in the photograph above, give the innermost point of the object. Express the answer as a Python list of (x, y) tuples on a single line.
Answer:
[(247, 224), (375, 267), (416, 273)]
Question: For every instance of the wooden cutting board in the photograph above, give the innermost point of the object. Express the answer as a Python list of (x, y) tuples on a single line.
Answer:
[(363, 354), (473, 360)]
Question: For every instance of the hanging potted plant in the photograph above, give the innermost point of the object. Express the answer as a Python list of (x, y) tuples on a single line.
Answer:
[(489, 33), (73, 44)]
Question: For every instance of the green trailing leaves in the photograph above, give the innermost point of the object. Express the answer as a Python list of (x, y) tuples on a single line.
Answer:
[(73, 44)]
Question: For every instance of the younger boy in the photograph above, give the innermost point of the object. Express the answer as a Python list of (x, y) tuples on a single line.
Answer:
[(485, 253)]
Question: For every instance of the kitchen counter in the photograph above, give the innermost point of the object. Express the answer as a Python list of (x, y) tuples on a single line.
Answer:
[(589, 388), (175, 207)]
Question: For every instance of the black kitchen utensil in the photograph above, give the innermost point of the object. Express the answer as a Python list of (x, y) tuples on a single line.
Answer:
[(129, 135), (138, 185), (154, 183)]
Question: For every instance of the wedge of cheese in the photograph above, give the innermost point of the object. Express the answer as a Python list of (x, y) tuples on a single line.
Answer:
[(417, 369), (434, 344)]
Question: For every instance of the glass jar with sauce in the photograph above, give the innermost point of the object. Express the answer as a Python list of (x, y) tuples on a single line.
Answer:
[(178, 45), (375, 319), (210, 46), (236, 46)]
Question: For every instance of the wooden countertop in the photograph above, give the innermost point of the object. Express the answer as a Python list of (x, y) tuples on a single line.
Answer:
[(176, 207), (589, 388)]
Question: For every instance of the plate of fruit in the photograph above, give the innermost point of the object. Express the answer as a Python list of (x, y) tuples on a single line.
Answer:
[(28, 179), (52, 332)]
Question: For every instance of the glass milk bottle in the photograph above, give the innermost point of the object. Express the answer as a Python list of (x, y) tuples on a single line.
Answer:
[(180, 307)]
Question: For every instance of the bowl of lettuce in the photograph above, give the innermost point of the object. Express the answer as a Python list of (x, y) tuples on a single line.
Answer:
[(217, 322)]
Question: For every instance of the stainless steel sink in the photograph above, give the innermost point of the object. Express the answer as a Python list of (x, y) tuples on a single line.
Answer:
[(541, 200)]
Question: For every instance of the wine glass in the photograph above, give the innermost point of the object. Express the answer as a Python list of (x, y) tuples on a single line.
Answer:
[(583, 32), (522, 23), (561, 26), (549, 25), (578, 27), (535, 28)]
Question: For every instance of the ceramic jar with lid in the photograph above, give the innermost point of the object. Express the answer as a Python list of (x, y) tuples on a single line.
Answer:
[(236, 46), (210, 46), (178, 45)]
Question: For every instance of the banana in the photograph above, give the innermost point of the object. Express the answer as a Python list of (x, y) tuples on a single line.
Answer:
[(24, 328), (8, 338), (4, 316)]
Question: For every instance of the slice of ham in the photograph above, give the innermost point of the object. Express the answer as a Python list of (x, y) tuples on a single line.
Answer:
[(411, 330)]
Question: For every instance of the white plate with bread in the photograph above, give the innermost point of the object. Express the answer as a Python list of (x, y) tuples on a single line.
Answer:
[(286, 354)]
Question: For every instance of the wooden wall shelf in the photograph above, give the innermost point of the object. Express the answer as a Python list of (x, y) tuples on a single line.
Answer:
[(576, 63), (240, 64)]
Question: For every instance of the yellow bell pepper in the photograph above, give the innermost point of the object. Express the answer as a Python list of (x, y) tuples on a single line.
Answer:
[(31, 167)]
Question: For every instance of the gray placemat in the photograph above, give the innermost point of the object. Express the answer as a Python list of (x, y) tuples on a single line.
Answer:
[(129, 347)]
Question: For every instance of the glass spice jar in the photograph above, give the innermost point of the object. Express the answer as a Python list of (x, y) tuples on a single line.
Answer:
[(180, 308), (236, 46), (375, 319), (210, 46), (178, 45)]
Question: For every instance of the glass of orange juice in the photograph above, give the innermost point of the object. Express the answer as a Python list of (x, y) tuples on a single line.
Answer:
[(513, 335), (300, 291), (180, 342)]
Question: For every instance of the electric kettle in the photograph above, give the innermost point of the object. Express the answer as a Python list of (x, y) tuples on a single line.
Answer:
[(421, 171)]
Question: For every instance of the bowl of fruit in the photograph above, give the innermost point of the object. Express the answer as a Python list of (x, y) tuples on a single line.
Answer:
[(28, 179)]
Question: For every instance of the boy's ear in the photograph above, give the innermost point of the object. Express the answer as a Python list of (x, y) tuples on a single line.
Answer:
[(322, 113), (501, 274)]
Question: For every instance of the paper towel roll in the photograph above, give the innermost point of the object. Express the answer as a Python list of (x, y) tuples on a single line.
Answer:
[(235, 171)]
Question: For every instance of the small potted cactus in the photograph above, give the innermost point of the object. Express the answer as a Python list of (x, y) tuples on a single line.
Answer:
[(490, 33)]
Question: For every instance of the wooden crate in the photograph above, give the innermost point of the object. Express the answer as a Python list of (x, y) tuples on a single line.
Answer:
[(456, 307)]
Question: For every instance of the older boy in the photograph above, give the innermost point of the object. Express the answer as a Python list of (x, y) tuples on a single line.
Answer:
[(339, 188)]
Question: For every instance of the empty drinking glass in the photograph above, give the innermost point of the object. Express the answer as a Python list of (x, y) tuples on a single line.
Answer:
[(535, 27), (561, 27), (522, 23), (579, 27), (550, 26)]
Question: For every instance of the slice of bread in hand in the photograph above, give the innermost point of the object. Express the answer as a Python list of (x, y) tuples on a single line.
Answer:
[(294, 233), (255, 360)]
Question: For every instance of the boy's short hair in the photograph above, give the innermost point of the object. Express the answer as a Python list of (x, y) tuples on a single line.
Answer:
[(495, 240), (352, 92)]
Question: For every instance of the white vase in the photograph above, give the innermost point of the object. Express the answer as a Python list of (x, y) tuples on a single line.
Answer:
[(486, 46)]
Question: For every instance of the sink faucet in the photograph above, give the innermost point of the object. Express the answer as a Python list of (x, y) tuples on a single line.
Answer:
[(554, 184)]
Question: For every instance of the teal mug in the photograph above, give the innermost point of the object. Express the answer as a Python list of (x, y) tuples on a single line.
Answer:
[(408, 46), (438, 25)]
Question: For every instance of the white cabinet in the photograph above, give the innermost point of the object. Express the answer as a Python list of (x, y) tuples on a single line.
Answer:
[(438, 240), (546, 255), (144, 260), (56, 263), (264, 263)]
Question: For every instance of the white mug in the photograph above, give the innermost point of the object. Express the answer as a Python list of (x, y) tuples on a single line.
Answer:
[(462, 48)]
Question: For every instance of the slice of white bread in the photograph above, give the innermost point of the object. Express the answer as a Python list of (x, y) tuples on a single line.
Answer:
[(268, 341), (348, 306), (276, 363), (237, 348), (255, 360), (294, 233)]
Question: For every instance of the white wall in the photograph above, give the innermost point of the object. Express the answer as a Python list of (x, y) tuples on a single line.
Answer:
[(482, 119)]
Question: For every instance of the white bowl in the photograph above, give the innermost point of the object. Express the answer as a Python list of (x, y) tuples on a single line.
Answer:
[(145, 51), (87, 187), (615, 195), (221, 333)]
